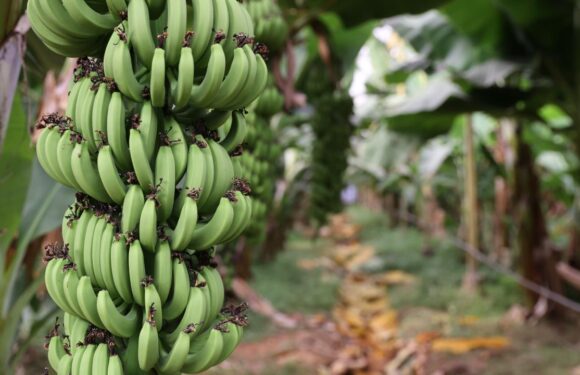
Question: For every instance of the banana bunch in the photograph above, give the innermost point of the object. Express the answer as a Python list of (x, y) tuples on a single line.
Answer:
[(332, 130), (257, 165), (155, 111), (201, 59), (104, 334), (271, 28), (270, 102)]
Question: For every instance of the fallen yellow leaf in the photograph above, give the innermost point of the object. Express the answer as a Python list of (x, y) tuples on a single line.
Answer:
[(469, 320), (364, 255), (464, 345), (396, 277), (386, 321)]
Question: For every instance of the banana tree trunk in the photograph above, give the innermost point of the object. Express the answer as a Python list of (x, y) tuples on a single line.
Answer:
[(537, 260), (243, 259), (471, 224), (500, 230)]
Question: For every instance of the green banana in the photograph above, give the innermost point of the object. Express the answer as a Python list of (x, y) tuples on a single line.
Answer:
[(140, 31), (132, 208), (122, 325), (209, 234), (119, 266), (181, 236), (216, 289), (115, 366), (176, 139), (231, 339), (203, 16), (56, 351), (177, 13), (178, 299), (88, 301), (163, 270), (185, 76), (50, 151), (237, 132), (165, 181), (148, 353), (234, 80), (86, 362), (100, 360), (204, 93), (88, 18), (175, 359), (157, 83), (95, 260), (194, 314), (123, 70), (116, 7), (240, 218), (209, 168), (77, 248), (87, 257), (153, 301), (116, 131), (110, 176), (136, 271), (222, 178), (65, 365), (70, 287), (148, 128), (76, 361), (199, 361), (105, 259), (140, 160), (64, 152), (54, 278), (148, 224)]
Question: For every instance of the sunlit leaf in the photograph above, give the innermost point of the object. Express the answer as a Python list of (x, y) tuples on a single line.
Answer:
[(464, 345)]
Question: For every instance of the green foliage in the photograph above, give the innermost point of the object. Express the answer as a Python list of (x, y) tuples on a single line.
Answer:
[(15, 166), (437, 266), (354, 13), (291, 288)]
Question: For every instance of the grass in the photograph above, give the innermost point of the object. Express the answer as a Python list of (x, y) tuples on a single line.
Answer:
[(289, 369), (439, 266), (290, 288)]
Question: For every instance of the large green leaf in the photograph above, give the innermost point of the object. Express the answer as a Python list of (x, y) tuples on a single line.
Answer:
[(491, 31), (15, 166), (346, 43), (355, 12), (26, 236), (40, 185), (450, 40), (548, 25), (9, 323)]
